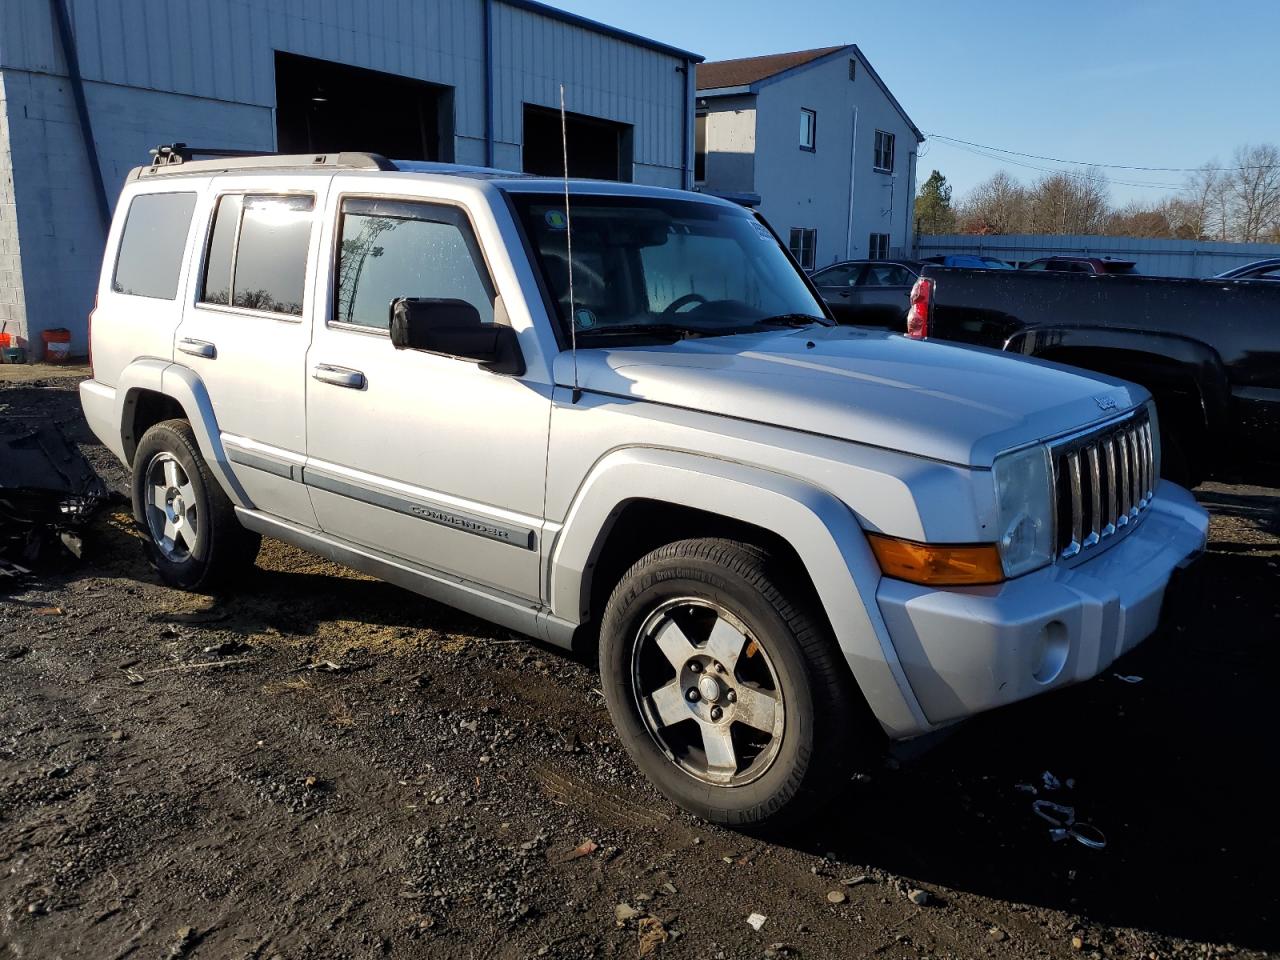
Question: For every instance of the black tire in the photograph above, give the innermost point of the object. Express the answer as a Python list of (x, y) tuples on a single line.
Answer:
[(825, 719), (222, 548)]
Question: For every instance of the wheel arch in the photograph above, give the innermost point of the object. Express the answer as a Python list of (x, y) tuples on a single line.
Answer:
[(635, 497), (150, 391)]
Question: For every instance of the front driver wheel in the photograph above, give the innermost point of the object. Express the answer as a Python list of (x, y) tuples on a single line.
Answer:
[(726, 688)]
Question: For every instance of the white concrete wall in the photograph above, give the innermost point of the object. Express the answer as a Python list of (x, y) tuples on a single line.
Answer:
[(731, 144), (202, 72), (803, 189)]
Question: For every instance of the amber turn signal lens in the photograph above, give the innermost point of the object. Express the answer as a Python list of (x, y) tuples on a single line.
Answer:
[(937, 566)]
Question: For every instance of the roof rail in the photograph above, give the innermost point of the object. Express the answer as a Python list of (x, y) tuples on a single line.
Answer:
[(175, 158)]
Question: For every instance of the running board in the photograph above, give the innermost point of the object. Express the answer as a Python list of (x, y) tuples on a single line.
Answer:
[(514, 613)]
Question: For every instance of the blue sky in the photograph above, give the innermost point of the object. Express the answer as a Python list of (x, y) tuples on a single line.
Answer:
[(1156, 84)]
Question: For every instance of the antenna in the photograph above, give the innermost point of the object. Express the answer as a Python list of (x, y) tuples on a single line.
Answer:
[(568, 237)]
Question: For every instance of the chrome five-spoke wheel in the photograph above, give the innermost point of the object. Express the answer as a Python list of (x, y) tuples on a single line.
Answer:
[(171, 508), (707, 692)]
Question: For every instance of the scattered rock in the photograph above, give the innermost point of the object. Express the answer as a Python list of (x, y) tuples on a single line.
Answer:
[(837, 896), (669, 888), (226, 648), (624, 913), (48, 611), (1077, 943), (185, 940), (756, 920), (996, 934), (15, 652), (37, 908), (855, 881), (919, 897)]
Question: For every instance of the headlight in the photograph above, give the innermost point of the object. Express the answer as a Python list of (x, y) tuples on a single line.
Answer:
[(1024, 509)]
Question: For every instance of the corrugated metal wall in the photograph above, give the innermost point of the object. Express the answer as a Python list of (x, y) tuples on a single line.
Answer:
[(203, 72), (1157, 258)]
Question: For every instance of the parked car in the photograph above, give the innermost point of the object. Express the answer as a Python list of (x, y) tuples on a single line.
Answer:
[(872, 293), (1258, 270), (1094, 265), (789, 539), (970, 260), (1209, 352)]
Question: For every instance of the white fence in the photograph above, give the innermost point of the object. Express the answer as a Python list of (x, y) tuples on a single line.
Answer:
[(1157, 258)]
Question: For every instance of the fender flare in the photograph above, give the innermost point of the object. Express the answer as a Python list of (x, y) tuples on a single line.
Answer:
[(185, 387), (821, 529), (1197, 360)]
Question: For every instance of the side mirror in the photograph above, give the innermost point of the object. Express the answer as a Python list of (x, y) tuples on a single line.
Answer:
[(453, 328)]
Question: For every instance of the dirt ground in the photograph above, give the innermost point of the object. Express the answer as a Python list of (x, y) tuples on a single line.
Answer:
[(324, 766)]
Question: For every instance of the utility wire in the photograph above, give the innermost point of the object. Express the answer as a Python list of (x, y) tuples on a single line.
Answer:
[(1075, 175), (1086, 163)]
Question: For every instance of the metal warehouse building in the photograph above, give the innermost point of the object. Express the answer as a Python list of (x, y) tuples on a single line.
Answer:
[(88, 86)]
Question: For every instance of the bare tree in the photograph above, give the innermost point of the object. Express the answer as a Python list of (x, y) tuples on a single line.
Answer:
[(998, 205), (1203, 196), (1067, 203), (1252, 191)]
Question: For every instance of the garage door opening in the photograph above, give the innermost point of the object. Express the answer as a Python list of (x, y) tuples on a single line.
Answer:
[(598, 149), (325, 107)]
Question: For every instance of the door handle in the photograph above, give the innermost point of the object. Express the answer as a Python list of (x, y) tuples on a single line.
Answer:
[(198, 348), (339, 376)]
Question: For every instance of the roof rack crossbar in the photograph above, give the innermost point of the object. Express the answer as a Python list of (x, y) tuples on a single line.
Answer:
[(178, 158)]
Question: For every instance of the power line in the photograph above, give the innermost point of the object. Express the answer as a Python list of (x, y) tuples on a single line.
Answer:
[(1065, 173), (1086, 163)]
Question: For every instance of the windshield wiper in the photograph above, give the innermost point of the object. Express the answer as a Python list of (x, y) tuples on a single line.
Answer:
[(794, 320), (674, 331)]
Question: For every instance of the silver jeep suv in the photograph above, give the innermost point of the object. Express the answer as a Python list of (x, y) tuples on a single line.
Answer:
[(624, 415)]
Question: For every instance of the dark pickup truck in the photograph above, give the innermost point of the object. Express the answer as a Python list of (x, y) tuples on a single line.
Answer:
[(1208, 350)]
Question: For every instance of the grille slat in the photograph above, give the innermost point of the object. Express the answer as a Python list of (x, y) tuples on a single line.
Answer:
[(1104, 481)]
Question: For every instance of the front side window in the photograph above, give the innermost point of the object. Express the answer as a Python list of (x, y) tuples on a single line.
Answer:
[(883, 159), (841, 275), (152, 245), (257, 257), (394, 248), (648, 263), (808, 129), (802, 242)]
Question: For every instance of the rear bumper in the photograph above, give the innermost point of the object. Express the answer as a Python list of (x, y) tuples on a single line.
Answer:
[(103, 415), (965, 650)]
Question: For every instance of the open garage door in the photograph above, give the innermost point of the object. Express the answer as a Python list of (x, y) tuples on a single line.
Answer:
[(598, 149), (325, 107)]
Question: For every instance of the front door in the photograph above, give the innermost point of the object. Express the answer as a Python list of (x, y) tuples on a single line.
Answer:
[(882, 294), (246, 329), (425, 457)]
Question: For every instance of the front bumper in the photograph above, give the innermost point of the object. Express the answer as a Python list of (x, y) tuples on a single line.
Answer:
[(965, 650)]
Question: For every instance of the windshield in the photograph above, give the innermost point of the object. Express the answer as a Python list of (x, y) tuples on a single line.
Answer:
[(663, 267)]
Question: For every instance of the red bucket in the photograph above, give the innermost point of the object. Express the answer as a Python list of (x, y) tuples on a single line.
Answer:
[(57, 345)]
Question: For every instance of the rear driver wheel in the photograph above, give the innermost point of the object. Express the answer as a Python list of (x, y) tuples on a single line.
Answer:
[(193, 537)]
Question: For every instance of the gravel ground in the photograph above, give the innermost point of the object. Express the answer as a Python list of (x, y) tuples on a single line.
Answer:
[(324, 766)]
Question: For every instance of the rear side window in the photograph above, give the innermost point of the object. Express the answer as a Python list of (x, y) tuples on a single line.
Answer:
[(393, 248), (257, 256), (152, 245)]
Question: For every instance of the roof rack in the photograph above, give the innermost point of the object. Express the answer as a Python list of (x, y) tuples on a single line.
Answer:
[(173, 158)]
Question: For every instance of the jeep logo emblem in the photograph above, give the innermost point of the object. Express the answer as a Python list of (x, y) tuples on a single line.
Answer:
[(1105, 403)]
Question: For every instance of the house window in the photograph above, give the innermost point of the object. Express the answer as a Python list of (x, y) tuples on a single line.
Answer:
[(853, 69), (878, 246), (884, 152), (700, 148), (808, 129), (803, 242)]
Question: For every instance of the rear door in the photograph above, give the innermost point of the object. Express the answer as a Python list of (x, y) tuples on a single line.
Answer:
[(882, 294), (246, 329)]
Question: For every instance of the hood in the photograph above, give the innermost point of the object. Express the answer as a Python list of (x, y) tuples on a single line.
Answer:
[(957, 404)]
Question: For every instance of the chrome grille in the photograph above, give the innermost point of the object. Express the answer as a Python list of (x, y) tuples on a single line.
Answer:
[(1103, 481)]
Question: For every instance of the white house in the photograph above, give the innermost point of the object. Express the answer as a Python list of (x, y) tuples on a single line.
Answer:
[(816, 142), (87, 86)]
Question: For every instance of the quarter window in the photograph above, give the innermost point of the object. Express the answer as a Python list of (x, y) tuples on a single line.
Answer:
[(808, 129), (257, 257), (802, 243), (391, 248), (152, 245), (883, 160)]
